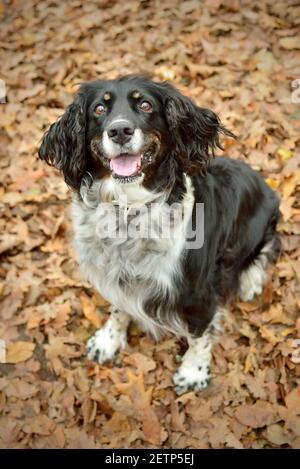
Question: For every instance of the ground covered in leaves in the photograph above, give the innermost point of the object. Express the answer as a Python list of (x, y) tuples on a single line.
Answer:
[(239, 58)]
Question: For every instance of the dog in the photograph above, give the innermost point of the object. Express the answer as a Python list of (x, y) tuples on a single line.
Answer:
[(129, 147)]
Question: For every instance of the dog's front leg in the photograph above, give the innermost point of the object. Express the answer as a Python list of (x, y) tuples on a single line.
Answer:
[(106, 342), (194, 371)]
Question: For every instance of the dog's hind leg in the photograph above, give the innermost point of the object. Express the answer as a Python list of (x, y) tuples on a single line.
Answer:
[(254, 276)]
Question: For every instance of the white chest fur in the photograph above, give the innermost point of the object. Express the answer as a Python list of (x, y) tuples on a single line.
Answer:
[(126, 270)]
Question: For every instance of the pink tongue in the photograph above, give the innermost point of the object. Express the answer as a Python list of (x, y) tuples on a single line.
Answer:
[(125, 165)]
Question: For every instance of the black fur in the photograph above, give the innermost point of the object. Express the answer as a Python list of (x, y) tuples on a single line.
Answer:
[(195, 132), (241, 213), (63, 145)]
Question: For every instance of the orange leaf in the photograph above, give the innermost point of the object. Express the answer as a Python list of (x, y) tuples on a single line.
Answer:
[(89, 310)]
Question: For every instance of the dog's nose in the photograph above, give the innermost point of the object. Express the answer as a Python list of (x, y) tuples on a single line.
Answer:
[(121, 133)]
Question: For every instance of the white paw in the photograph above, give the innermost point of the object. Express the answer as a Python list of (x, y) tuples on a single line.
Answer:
[(191, 378), (252, 281), (104, 345)]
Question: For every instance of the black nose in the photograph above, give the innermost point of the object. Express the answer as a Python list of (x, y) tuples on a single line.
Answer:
[(121, 133)]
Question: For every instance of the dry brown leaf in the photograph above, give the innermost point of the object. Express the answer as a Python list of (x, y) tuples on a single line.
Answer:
[(20, 389), (142, 363), (100, 301), (276, 435), (291, 42), (276, 315), (251, 362), (141, 399), (292, 400), (41, 425), (19, 351), (290, 184), (178, 417), (268, 334), (90, 310), (257, 415)]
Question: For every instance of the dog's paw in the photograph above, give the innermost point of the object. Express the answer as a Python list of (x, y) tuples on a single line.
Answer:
[(191, 378), (104, 345), (252, 281)]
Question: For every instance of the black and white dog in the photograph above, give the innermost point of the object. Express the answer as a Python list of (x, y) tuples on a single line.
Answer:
[(132, 144)]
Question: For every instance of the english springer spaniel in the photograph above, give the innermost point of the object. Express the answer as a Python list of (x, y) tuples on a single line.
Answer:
[(165, 231)]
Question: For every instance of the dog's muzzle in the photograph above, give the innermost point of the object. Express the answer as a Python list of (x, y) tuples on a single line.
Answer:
[(123, 144)]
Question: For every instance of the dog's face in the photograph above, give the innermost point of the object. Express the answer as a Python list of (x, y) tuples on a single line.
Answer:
[(126, 127), (131, 129)]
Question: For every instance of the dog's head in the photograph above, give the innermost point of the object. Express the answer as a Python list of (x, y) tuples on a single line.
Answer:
[(131, 129)]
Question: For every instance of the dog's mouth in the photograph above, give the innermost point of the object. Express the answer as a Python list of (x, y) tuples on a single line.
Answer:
[(126, 165)]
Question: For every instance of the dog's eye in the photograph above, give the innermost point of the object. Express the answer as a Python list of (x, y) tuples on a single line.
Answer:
[(100, 109), (145, 106)]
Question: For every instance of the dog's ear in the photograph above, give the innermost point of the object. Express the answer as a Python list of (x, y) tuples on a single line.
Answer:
[(63, 145), (195, 131)]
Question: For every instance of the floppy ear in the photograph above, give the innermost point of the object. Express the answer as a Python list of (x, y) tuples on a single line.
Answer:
[(63, 145), (195, 131)]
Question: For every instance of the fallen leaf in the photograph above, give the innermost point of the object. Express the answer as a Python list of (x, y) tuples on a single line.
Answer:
[(276, 315), (20, 389), (285, 154), (19, 351), (90, 311), (292, 42), (41, 425), (141, 399), (276, 435), (142, 363), (257, 415)]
